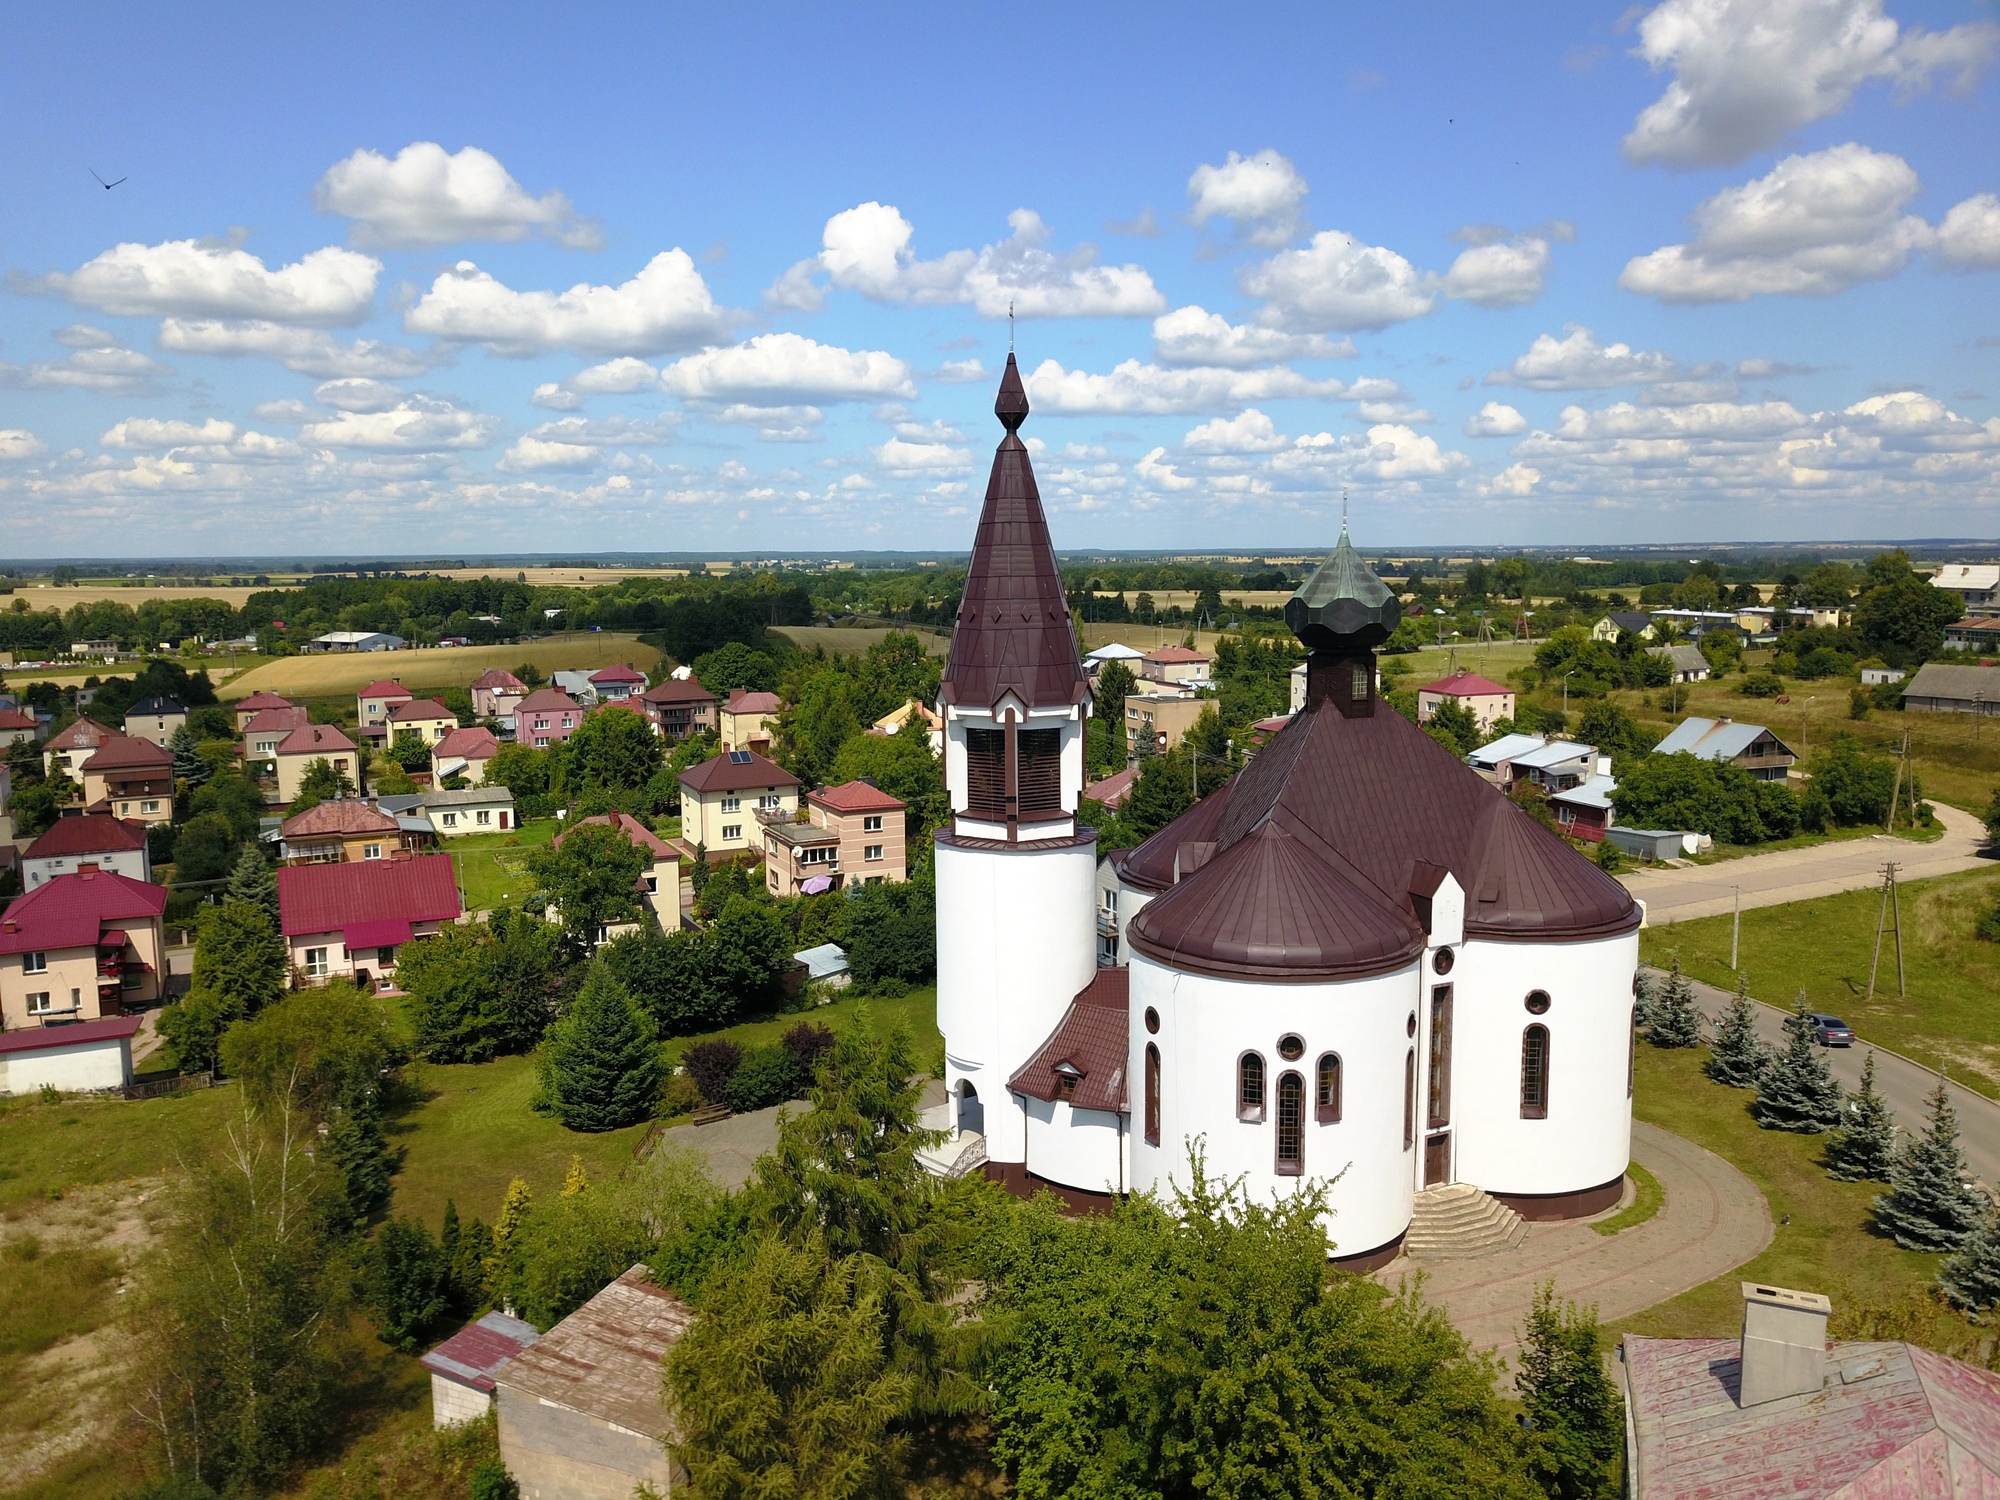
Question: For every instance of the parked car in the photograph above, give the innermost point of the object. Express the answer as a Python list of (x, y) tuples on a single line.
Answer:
[(1831, 1031)]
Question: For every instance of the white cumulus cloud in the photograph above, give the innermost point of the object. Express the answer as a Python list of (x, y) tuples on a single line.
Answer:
[(1495, 419), (190, 278), (1136, 389), (359, 394), (1261, 194), (1516, 479), (107, 370), (906, 459), (16, 444), (779, 369), (1748, 72), (1336, 282), (309, 351), (667, 307), (1970, 233), (1578, 362), (421, 424), (425, 196), (1156, 472), (148, 432), (1499, 270), (531, 455), (1249, 432), (1193, 335)]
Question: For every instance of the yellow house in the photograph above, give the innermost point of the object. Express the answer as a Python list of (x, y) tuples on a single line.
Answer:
[(745, 720), (130, 778), (722, 798), (298, 750), (426, 718)]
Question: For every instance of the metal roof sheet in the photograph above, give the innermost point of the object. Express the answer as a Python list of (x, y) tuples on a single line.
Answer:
[(92, 833), (328, 898), (471, 1355), (1505, 748), (604, 1358), (1710, 739), (1090, 1042), (727, 773), (42, 1038), (1968, 684), (71, 911)]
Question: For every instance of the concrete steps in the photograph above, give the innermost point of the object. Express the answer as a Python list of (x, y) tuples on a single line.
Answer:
[(1459, 1222)]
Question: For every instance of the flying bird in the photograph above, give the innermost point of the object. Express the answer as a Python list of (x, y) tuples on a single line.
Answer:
[(107, 186)]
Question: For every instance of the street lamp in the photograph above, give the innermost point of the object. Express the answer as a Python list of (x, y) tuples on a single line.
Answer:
[(1566, 677)]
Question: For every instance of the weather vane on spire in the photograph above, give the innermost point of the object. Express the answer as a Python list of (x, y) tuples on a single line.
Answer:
[(1010, 325)]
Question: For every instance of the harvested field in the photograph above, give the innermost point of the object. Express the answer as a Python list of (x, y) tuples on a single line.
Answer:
[(40, 596), (332, 674), (853, 640)]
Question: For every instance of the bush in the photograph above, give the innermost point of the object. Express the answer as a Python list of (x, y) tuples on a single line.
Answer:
[(1761, 685), (682, 1096), (766, 1076), (1610, 859), (408, 1282), (808, 1043), (712, 1065), (1989, 926)]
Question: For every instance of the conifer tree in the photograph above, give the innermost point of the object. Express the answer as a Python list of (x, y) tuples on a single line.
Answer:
[(1797, 1090), (1971, 1276), (1737, 1057), (1579, 1420), (1929, 1206), (514, 1211), (1674, 1020), (576, 1180), (1863, 1149), (602, 1068), (1643, 994), (255, 881)]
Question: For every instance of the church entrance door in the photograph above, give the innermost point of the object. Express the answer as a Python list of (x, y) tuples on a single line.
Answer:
[(1437, 1159)]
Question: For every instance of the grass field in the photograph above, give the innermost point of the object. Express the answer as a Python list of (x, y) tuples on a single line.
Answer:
[(332, 674), (1825, 946), (48, 1148), (854, 640), (493, 867), (916, 1011)]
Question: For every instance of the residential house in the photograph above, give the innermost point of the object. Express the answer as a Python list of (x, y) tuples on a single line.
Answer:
[(464, 752), (1558, 765), (1941, 689), (1111, 792), (1175, 664), (497, 693), (79, 947), (1977, 633), (269, 728), (746, 720), (1686, 662), (89, 838), (297, 751), (17, 728), (130, 778), (1618, 621), (155, 719), (1583, 811), (915, 718), (471, 809), (678, 707), (463, 1366), (719, 797), (1162, 718), (1495, 760), (1876, 676), (659, 883), (349, 919), (826, 963), (248, 708), (546, 717), (1750, 747), (1976, 584), (576, 684), (356, 640), (346, 829), (1488, 702), (616, 683), (1779, 1414), (1698, 622), (580, 1411), (426, 718), (69, 750), (853, 835), (374, 703), (88, 1057)]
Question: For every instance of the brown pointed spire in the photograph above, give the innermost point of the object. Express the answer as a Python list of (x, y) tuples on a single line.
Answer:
[(1013, 633)]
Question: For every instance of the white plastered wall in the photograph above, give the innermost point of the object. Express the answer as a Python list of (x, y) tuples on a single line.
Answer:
[(1079, 1148), (101, 1064)]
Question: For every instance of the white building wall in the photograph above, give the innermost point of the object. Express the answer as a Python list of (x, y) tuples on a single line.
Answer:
[(131, 863), (1017, 940), (102, 1064), (1586, 1139), (1079, 1148), (1206, 1024), (452, 1403)]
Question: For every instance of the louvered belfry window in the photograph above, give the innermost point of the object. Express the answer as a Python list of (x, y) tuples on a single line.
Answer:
[(986, 773), (1039, 770)]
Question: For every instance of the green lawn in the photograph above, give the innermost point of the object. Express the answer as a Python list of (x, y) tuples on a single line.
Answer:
[(1826, 945), (47, 1148), (916, 1010), (493, 867)]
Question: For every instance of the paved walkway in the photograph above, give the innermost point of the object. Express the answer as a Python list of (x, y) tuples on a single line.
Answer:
[(1689, 891), (1713, 1220)]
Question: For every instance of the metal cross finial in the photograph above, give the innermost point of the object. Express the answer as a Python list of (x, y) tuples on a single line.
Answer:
[(1343, 509), (1010, 325)]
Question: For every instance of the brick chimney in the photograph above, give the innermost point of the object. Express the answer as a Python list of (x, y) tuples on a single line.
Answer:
[(1784, 1343)]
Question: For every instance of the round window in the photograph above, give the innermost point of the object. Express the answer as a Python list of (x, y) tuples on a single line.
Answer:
[(1538, 1002), (1442, 960), (1152, 1021), (1410, 1027), (1291, 1048)]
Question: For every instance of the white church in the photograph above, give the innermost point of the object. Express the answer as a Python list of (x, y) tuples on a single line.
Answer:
[(1355, 959)]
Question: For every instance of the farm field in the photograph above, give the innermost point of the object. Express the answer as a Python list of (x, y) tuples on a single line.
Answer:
[(560, 577), (333, 674), (854, 640), (49, 596)]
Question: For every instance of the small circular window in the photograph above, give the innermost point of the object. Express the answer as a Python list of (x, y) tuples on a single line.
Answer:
[(1410, 1026), (1291, 1048), (1538, 1002), (1152, 1021), (1442, 960)]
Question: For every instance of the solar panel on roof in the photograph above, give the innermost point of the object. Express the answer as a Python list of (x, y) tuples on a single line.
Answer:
[(741, 757)]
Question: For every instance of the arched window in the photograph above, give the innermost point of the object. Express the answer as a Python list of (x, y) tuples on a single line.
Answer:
[(1250, 1088), (1535, 1073), (1291, 1124), (1409, 1098), (1328, 1099), (1152, 1095)]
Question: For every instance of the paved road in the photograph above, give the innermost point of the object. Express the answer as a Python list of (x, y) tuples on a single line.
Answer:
[(1903, 1083), (1680, 894)]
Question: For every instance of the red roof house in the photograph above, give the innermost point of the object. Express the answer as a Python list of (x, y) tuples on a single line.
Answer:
[(131, 778), (546, 717), (1488, 702), (75, 745), (1112, 791), (678, 707), (110, 843), (618, 682), (348, 919), (473, 746), (462, 1366), (266, 729), (77, 946)]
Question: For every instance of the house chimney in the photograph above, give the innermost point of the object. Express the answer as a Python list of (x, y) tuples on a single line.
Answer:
[(88, 864), (1784, 1343)]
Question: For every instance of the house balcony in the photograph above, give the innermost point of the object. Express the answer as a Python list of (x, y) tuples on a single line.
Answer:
[(1107, 923)]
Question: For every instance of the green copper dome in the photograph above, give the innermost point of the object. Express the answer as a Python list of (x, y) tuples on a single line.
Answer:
[(1343, 604)]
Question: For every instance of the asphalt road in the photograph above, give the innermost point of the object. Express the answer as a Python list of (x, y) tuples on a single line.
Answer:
[(1689, 891), (1904, 1084)]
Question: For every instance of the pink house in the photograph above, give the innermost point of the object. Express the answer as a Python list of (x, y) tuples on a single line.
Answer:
[(1487, 702), (349, 919), (853, 835), (497, 694), (545, 717)]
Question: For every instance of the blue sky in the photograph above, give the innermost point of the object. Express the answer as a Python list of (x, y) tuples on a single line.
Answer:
[(453, 280)]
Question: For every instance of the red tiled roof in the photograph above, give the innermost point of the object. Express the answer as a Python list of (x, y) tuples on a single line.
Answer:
[(385, 689), (678, 690), (1465, 685), (330, 898), (474, 743), (345, 815), (1091, 1040), (419, 708), (81, 735), (637, 832), (857, 796), (93, 833), (1175, 655), (736, 771), (119, 753), (617, 673), (547, 700), (743, 701), (69, 911), (41, 1038), (11, 719), (499, 679), (314, 739), (258, 702), (267, 719)]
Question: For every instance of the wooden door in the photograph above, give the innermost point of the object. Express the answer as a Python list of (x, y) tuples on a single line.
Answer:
[(1437, 1159)]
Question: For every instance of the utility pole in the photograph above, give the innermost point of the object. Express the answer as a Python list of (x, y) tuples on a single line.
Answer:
[(1735, 929), (1891, 904)]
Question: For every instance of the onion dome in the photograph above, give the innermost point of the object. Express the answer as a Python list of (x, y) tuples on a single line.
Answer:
[(1343, 604)]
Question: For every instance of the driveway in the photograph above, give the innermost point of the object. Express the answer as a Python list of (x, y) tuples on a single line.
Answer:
[(1679, 895)]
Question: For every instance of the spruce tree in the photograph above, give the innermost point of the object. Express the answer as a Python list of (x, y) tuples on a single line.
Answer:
[(255, 881), (1737, 1057), (1674, 1020), (188, 764), (1797, 1090), (1928, 1205), (1971, 1277), (602, 1068), (1863, 1149), (514, 1211), (1579, 1420)]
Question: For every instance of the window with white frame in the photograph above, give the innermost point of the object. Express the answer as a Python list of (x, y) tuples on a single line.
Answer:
[(770, 802), (150, 805), (371, 851), (316, 967), (34, 963), (451, 820), (38, 1003), (731, 831), (872, 823), (819, 855), (871, 851), (482, 817), (732, 804)]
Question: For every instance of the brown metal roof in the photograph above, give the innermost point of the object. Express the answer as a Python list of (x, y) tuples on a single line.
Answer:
[(1013, 633), (737, 771), (604, 1358), (1088, 1044)]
